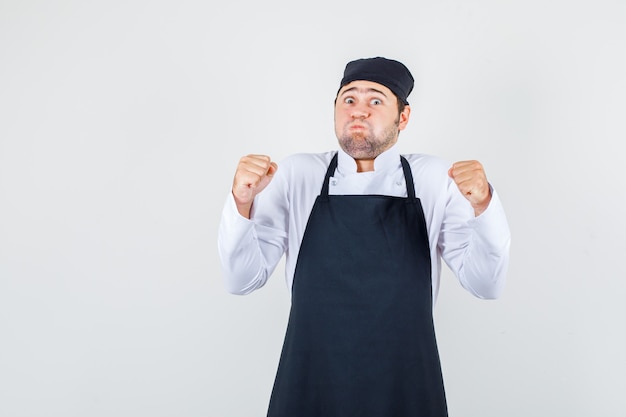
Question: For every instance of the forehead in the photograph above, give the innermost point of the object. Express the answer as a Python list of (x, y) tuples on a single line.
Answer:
[(362, 86)]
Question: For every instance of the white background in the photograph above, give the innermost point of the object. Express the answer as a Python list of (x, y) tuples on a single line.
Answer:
[(121, 123)]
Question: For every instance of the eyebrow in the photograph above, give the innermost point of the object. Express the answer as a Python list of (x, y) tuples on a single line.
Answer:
[(363, 90)]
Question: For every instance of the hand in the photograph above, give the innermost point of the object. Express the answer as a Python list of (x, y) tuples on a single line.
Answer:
[(253, 174), (471, 179)]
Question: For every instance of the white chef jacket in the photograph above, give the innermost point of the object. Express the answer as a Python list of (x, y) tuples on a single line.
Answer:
[(476, 249)]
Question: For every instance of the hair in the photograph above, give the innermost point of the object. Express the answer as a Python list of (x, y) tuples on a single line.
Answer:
[(401, 106)]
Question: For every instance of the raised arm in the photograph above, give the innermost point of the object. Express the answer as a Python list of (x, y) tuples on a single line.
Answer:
[(250, 247), (476, 247)]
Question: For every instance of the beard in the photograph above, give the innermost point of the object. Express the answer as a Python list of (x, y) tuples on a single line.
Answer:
[(365, 144)]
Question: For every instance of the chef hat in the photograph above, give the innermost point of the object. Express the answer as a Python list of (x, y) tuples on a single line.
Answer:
[(388, 72)]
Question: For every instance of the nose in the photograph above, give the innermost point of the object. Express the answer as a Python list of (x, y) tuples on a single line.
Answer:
[(359, 112)]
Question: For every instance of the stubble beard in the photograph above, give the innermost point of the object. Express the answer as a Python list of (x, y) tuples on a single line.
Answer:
[(366, 144)]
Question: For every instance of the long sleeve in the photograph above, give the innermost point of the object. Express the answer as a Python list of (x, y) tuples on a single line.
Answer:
[(476, 248), (249, 250)]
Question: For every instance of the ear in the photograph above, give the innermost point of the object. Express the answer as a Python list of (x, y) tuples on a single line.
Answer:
[(404, 117)]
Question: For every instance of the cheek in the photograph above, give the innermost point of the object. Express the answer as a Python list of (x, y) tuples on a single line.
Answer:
[(340, 118), (337, 123)]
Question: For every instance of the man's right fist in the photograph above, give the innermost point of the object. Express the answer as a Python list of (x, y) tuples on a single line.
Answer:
[(253, 174)]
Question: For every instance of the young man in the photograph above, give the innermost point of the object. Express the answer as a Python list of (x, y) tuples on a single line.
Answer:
[(364, 230)]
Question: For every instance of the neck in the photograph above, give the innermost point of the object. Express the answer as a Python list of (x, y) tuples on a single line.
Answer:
[(364, 165)]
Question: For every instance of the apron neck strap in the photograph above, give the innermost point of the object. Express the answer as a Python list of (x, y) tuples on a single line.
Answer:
[(408, 176), (329, 172)]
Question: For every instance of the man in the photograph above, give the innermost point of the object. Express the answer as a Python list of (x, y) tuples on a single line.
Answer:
[(364, 230)]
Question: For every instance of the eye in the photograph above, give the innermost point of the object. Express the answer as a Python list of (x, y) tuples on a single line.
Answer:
[(375, 102), (348, 100)]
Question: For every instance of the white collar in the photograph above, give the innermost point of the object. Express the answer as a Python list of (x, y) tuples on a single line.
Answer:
[(389, 159)]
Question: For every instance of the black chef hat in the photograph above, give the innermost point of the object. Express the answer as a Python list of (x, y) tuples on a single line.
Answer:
[(392, 74)]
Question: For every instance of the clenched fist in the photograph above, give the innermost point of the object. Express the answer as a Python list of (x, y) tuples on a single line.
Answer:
[(471, 179), (253, 174)]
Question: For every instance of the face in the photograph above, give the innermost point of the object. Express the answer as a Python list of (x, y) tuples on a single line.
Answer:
[(367, 122)]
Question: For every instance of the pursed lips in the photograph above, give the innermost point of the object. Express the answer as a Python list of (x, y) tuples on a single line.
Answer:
[(357, 126)]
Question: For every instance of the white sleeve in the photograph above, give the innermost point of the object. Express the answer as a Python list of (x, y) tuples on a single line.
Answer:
[(476, 248), (249, 250)]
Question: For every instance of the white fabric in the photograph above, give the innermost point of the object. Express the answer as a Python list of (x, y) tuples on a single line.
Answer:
[(475, 248)]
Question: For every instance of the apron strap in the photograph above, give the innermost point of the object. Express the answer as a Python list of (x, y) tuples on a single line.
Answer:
[(329, 172), (408, 177)]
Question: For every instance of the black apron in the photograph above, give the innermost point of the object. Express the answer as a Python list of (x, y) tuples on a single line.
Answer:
[(360, 339)]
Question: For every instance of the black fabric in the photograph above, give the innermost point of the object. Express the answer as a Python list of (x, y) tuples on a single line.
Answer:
[(392, 74), (360, 339)]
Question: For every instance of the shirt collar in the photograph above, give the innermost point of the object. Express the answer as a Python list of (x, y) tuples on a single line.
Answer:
[(387, 160)]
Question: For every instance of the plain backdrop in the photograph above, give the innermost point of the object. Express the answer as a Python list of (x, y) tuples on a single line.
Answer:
[(121, 123)]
